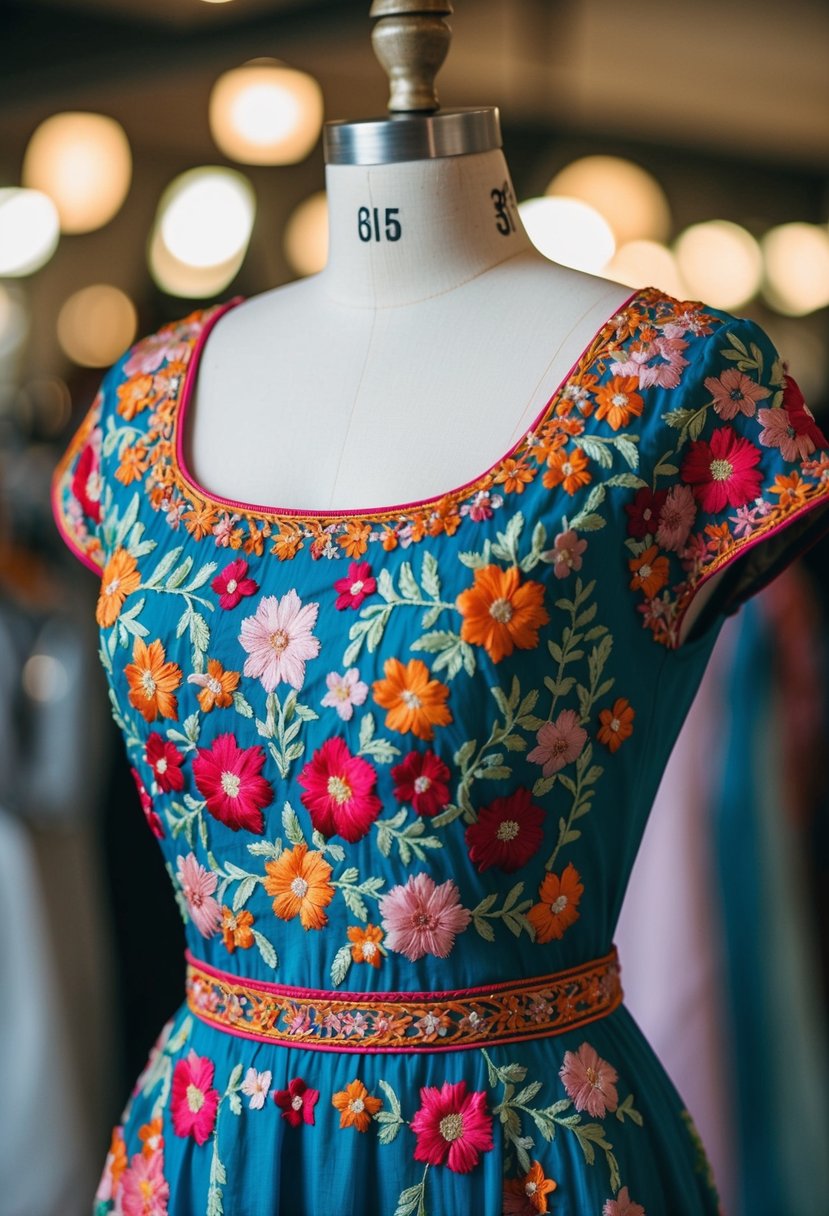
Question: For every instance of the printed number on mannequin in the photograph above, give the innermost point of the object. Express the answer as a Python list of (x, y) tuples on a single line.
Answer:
[(504, 202), (369, 224)]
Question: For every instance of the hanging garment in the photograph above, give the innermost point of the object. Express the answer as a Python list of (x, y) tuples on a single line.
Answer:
[(399, 761)]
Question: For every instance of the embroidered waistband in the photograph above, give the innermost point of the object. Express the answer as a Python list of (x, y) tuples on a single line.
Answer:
[(405, 1021)]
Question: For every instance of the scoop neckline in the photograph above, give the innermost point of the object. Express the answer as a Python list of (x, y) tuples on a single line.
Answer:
[(597, 343)]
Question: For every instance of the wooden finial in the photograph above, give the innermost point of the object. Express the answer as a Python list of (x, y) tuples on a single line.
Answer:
[(411, 40)]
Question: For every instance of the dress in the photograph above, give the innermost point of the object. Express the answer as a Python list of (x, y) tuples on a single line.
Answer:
[(399, 762)]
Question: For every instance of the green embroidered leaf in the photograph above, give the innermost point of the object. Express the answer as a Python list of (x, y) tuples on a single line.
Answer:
[(408, 582), (429, 574), (264, 848), (596, 450), (543, 785), (527, 1094), (179, 574), (464, 753), (629, 480), (244, 892), (291, 825), (192, 727), (201, 576), (484, 928), (339, 967), (242, 706), (430, 616), (235, 1103), (410, 1199), (626, 447), (267, 951)]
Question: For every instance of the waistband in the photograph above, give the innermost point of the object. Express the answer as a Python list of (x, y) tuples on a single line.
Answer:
[(508, 1012)]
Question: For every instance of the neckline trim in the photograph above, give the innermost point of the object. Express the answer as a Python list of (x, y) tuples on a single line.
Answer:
[(395, 511)]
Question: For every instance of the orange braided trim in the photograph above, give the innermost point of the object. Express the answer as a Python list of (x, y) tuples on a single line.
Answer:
[(405, 1021)]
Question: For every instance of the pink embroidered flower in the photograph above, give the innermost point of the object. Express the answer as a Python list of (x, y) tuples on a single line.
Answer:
[(165, 760), (228, 776), (482, 506), (278, 640), (344, 692), (86, 481), (339, 791), (559, 742), (422, 918), (355, 586), (508, 832), (232, 584), (153, 820), (296, 1102), (144, 1189), (223, 529), (590, 1081), (622, 1205), (659, 362), (566, 553), (198, 885), (148, 355), (735, 393), (193, 1101), (676, 518), (792, 429), (255, 1086), (452, 1126), (644, 512), (723, 472), (423, 780)]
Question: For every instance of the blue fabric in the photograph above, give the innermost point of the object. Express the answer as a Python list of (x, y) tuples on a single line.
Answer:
[(437, 731)]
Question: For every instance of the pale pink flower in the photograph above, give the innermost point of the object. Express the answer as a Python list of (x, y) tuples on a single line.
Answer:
[(676, 518), (559, 742), (198, 885), (779, 432), (144, 1190), (735, 393), (622, 1205), (278, 640), (482, 506), (344, 692), (151, 352), (223, 528), (590, 1081), (642, 363), (566, 553), (256, 1086), (423, 918)]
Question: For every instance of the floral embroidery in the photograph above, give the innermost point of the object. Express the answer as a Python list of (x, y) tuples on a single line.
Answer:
[(423, 780), (623, 1205), (120, 579), (233, 584), (152, 681), (230, 779), (452, 1126), (198, 885), (297, 1102), (422, 917), (616, 724), (558, 908), (299, 881), (355, 586), (165, 760), (507, 833), (501, 613), (356, 1106), (339, 791), (278, 640), (216, 686), (193, 1100), (527, 1195), (344, 692), (415, 702), (590, 1081)]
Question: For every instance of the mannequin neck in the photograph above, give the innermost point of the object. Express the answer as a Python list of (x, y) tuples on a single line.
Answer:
[(400, 233)]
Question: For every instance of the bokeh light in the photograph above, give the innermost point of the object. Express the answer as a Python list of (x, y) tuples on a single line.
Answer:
[(83, 162), (306, 235), (206, 215), (646, 264), (96, 325), (264, 113), (630, 199), (796, 260), (720, 262), (29, 230), (569, 232)]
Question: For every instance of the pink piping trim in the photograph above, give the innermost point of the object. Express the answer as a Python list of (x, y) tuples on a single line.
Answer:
[(68, 539), (361, 998), (255, 509)]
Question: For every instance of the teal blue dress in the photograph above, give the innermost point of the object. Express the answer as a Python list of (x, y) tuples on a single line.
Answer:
[(399, 761)]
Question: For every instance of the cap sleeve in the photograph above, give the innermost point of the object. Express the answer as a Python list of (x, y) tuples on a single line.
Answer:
[(736, 477), (77, 486)]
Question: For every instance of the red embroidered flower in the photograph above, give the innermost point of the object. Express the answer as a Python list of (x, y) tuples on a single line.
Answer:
[(150, 815), (165, 760), (643, 512), (193, 1101), (339, 791), (452, 1127), (423, 780), (723, 472), (233, 583), (228, 776), (355, 586), (508, 832), (86, 482), (296, 1102)]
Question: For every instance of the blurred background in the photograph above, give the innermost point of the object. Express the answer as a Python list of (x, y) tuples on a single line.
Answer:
[(158, 155)]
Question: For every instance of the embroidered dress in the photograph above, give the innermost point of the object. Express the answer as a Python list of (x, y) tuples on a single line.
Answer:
[(399, 761)]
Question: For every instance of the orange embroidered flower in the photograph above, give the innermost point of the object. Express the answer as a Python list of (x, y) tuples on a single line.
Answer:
[(558, 907), (528, 1194), (650, 573), (414, 700), (117, 1158), (288, 542), (446, 518), (356, 1106), (120, 579), (365, 944), (199, 520), (791, 488), (719, 537), (389, 538), (355, 538), (236, 929), (216, 686), (618, 401), (616, 724), (150, 1136), (134, 395), (500, 612), (299, 881), (568, 469), (152, 681), (134, 464), (514, 475)]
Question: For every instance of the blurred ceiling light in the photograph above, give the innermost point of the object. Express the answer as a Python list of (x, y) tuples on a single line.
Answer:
[(96, 325), (14, 322), (44, 678), (568, 231), (264, 113), (629, 198), (205, 216), (306, 235), (29, 230), (646, 264), (720, 262), (796, 268), (83, 162), (178, 278)]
